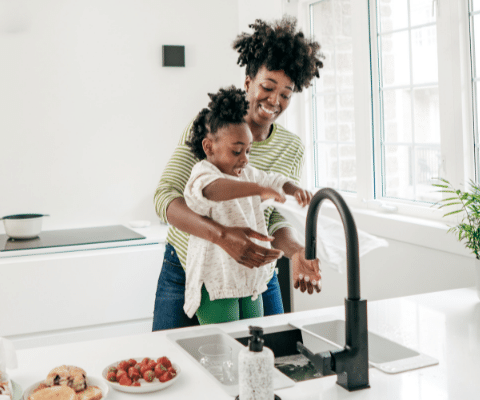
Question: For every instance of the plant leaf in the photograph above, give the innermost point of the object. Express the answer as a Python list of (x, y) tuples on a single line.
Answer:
[(452, 212)]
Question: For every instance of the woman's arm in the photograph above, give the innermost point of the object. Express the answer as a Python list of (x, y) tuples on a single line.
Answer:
[(235, 241)]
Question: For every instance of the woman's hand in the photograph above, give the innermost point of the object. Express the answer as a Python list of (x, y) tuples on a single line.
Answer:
[(306, 273), (237, 243)]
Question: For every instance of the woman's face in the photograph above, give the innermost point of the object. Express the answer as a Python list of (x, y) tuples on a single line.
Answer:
[(229, 148), (269, 94)]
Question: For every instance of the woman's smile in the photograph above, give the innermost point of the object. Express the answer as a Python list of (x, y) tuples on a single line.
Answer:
[(269, 94)]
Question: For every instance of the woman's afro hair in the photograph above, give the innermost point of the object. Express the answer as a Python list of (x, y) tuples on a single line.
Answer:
[(228, 106), (279, 47)]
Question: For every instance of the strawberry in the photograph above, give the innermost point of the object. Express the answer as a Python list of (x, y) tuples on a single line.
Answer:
[(152, 364), (112, 376), (166, 377), (146, 360), (144, 369), (159, 370), (172, 371), (136, 384), (133, 374), (121, 373), (138, 366), (165, 362), (113, 369), (125, 381), (123, 365), (132, 362), (149, 376)]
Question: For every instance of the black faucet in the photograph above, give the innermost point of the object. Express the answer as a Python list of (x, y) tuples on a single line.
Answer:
[(350, 363)]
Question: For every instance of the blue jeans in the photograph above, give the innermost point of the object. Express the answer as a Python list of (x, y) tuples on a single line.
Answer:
[(170, 297)]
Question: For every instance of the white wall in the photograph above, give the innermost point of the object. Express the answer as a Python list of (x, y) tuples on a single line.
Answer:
[(88, 115)]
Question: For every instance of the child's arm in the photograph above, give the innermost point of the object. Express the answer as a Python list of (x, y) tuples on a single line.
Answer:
[(303, 196), (227, 189)]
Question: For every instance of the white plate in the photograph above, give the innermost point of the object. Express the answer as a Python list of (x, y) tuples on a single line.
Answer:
[(145, 387), (91, 381), (17, 391)]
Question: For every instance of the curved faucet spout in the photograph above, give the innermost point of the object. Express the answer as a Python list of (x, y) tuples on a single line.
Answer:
[(353, 269), (351, 363)]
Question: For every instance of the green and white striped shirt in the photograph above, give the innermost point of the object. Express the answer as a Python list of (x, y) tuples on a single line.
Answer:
[(282, 152)]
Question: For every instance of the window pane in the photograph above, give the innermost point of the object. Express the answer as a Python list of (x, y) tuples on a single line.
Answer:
[(427, 166), (327, 80), (395, 59), (346, 118), (397, 177), (344, 66), (424, 55), (324, 26), (476, 5), (397, 115), (409, 106), (334, 126), (476, 27), (421, 12), (327, 165), (475, 60), (326, 118), (393, 15), (348, 176), (426, 115)]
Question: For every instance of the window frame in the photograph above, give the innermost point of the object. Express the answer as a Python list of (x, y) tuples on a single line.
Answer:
[(455, 103)]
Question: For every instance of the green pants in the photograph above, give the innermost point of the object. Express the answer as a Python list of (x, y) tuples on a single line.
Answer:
[(225, 310)]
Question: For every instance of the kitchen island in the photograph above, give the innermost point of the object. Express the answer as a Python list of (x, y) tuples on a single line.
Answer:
[(444, 325)]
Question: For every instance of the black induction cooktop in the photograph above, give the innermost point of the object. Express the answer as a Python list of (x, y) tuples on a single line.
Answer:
[(70, 237)]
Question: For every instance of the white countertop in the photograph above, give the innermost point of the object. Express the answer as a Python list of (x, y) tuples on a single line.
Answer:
[(154, 234), (444, 325)]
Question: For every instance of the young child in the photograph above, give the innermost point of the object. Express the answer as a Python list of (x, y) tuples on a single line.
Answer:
[(223, 187)]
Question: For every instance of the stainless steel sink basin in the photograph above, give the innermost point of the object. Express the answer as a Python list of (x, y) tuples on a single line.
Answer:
[(384, 354), (190, 341)]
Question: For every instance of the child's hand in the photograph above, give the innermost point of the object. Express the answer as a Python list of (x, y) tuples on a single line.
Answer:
[(269, 193), (303, 197)]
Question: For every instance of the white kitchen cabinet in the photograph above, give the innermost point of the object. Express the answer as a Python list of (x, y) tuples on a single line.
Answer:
[(79, 295)]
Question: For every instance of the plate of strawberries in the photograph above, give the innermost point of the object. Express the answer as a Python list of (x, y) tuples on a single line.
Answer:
[(141, 375)]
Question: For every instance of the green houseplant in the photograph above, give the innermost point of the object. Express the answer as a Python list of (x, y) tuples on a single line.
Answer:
[(468, 229)]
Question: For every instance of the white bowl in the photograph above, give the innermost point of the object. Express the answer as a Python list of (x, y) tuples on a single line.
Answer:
[(145, 387)]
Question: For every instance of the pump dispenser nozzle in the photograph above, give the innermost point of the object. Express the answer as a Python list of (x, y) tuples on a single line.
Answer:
[(255, 343)]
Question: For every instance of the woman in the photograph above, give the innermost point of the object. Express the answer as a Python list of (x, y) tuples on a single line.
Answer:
[(279, 61)]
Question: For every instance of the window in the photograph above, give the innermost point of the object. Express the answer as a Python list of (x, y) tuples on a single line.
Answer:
[(392, 109), (408, 95), (474, 19), (334, 123)]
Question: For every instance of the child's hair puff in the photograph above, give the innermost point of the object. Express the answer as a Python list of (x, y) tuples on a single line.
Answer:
[(227, 106), (279, 47)]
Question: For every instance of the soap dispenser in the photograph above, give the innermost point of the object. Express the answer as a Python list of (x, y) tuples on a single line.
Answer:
[(255, 369)]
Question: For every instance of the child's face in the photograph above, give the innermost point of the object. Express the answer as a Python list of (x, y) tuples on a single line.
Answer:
[(229, 149)]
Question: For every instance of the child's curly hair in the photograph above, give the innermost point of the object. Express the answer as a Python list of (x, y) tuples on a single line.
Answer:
[(227, 106), (279, 47)]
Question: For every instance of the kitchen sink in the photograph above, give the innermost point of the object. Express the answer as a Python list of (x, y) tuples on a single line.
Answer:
[(190, 340), (283, 342), (321, 334), (383, 354)]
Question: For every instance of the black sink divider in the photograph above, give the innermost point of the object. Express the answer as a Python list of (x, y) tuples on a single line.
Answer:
[(281, 343)]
